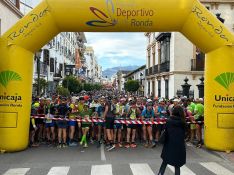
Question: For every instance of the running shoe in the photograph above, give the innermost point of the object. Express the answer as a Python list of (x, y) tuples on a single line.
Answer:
[(64, 145), (133, 145), (127, 146), (120, 145), (199, 144), (146, 145), (111, 148), (108, 147), (98, 144), (81, 143), (153, 145), (85, 145), (72, 144), (91, 141), (59, 145)]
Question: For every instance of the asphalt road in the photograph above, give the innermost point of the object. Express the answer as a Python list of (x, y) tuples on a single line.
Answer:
[(46, 160)]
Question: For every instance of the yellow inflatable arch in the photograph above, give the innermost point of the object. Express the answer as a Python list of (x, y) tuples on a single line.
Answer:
[(17, 47)]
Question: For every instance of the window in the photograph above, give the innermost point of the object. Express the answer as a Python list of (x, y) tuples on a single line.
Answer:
[(166, 89), (149, 87), (165, 50), (60, 68), (51, 64), (153, 55), (148, 58), (164, 47), (46, 56), (159, 88)]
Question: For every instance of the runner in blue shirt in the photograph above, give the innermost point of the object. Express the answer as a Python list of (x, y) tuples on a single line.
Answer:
[(148, 115)]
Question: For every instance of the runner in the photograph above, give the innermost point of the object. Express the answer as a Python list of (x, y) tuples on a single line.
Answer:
[(161, 114), (109, 116), (118, 127), (86, 115), (133, 114), (148, 115), (63, 111), (100, 113), (199, 117), (72, 123), (50, 124)]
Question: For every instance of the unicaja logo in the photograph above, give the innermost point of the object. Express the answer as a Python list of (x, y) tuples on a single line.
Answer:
[(7, 76), (104, 20), (225, 79)]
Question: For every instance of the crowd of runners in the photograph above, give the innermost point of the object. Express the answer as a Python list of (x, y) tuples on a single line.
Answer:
[(67, 131)]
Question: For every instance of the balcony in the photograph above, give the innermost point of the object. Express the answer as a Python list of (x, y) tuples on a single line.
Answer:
[(197, 64), (156, 69), (151, 71), (165, 67), (58, 76)]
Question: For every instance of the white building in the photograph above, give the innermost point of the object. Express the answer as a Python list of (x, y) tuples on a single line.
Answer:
[(9, 15), (171, 57), (121, 79), (93, 70), (138, 75), (59, 59)]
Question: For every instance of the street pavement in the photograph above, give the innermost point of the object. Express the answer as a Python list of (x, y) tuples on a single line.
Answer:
[(46, 160)]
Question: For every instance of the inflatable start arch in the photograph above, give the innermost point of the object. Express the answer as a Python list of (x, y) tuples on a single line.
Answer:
[(17, 47)]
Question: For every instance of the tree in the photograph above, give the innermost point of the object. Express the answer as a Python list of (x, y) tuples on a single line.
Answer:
[(87, 87), (131, 85), (72, 84), (62, 91), (43, 85), (91, 87)]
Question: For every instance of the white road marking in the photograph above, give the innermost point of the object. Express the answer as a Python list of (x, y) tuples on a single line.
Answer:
[(103, 156), (101, 170), (59, 171), (183, 170), (141, 169), (216, 168), (17, 171)]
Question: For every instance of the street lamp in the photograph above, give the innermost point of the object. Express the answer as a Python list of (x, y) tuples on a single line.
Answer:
[(38, 57)]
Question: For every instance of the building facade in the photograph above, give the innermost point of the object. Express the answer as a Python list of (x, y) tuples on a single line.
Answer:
[(10, 14), (171, 58), (121, 80), (138, 75), (93, 69), (61, 57)]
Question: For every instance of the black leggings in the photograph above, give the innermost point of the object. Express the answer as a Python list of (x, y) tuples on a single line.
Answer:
[(163, 168)]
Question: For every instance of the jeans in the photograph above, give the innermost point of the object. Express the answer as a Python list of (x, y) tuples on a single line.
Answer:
[(163, 168)]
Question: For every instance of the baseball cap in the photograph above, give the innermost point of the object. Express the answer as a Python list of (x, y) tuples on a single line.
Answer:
[(149, 100), (176, 100)]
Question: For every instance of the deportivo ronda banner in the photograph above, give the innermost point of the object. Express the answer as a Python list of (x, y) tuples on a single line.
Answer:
[(50, 17)]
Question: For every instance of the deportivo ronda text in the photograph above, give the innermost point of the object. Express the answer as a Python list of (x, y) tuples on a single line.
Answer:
[(133, 14)]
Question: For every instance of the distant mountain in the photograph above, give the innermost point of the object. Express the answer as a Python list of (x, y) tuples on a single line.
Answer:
[(111, 71)]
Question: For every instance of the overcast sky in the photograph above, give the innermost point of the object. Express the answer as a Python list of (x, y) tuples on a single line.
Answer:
[(114, 49), (118, 49)]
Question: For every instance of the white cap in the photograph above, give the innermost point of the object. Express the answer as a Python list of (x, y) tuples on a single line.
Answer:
[(149, 100), (160, 100), (176, 100)]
